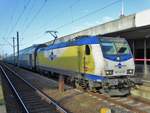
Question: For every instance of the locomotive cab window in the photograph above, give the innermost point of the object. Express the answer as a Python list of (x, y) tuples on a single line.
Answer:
[(87, 50)]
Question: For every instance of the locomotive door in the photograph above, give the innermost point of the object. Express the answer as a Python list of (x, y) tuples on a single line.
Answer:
[(30, 60), (85, 59)]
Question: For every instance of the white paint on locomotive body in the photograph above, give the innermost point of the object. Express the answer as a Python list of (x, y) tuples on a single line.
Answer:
[(98, 59), (112, 65), (54, 54)]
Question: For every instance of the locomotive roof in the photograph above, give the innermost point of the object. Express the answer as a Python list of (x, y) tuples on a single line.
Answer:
[(83, 40), (31, 48)]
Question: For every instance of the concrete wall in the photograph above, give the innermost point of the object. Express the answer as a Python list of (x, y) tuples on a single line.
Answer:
[(142, 18), (121, 24)]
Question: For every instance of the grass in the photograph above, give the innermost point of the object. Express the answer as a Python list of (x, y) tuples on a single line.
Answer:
[(1, 96)]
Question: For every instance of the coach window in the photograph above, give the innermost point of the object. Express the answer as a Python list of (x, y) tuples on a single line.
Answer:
[(87, 50)]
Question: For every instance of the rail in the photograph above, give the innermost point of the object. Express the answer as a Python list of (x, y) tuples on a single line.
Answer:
[(38, 91)]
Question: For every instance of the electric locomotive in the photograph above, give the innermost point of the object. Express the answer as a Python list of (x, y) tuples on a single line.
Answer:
[(94, 62)]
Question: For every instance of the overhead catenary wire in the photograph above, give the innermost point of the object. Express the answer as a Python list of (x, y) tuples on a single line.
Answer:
[(54, 17), (39, 37), (89, 14), (11, 20), (25, 7), (61, 12), (44, 26), (19, 17), (7, 42), (34, 17), (30, 9), (5, 36)]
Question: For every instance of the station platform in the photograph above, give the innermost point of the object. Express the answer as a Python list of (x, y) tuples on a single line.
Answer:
[(142, 90), (139, 71), (2, 101)]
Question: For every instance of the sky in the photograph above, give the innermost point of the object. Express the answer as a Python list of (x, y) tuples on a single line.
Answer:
[(32, 18)]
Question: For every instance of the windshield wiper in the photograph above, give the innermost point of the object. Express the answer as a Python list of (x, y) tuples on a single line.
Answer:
[(122, 50)]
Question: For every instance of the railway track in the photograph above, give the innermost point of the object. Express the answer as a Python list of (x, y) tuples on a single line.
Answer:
[(29, 98), (132, 104)]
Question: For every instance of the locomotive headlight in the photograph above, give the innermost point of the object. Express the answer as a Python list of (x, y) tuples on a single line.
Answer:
[(130, 71), (109, 72)]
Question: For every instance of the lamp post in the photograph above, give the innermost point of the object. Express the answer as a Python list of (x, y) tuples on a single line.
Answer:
[(122, 8)]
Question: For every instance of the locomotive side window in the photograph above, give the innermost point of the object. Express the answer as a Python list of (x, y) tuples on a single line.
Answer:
[(87, 50), (52, 55)]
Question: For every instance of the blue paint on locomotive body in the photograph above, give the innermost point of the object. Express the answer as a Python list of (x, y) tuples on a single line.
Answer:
[(122, 57), (97, 78)]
